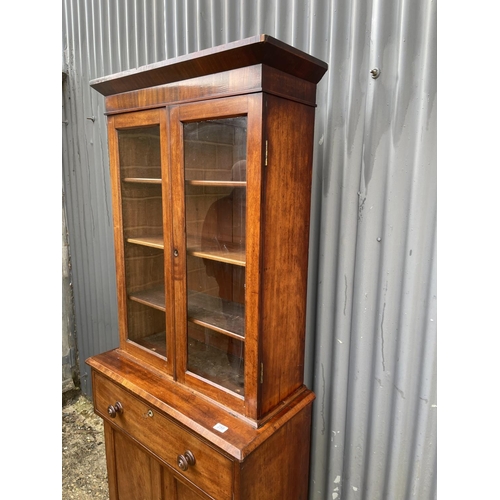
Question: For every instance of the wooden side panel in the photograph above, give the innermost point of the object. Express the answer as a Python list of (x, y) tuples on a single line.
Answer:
[(279, 468), (285, 228), (282, 84)]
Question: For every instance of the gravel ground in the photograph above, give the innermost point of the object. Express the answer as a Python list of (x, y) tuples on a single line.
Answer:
[(84, 475)]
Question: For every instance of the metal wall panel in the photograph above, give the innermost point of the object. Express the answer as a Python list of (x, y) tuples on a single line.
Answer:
[(371, 324)]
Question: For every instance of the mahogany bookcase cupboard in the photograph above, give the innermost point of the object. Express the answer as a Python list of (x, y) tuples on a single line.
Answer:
[(210, 158)]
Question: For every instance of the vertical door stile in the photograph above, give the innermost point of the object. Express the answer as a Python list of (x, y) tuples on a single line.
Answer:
[(177, 249), (114, 163), (167, 232), (255, 152)]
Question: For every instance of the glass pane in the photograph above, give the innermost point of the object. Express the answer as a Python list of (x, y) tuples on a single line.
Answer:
[(216, 357), (215, 200), (140, 172)]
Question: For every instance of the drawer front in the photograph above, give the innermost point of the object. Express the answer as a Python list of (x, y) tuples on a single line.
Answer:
[(212, 472)]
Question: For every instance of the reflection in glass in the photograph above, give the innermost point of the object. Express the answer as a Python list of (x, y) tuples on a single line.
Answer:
[(216, 357), (215, 196), (141, 195)]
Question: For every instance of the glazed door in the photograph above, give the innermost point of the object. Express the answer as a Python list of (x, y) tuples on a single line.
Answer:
[(216, 165), (139, 167)]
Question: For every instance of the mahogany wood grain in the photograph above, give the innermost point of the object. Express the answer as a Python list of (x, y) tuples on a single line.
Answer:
[(153, 297), (285, 228), (178, 243), (109, 442), (279, 468), (225, 84), (167, 237), (133, 469), (152, 241), (236, 257), (140, 180), (158, 474), (168, 485), (271, 462), (180, 194), (216, 183), (281, 84), (114, 163), (262, 49), (164, 438), (144, 118), (183, 492), (260, 78), (278, 183), (197, 413), (135, 473), (255, 161)]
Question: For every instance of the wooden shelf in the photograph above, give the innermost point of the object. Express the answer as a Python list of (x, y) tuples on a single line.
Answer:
[(229, 256), (148, 241), (141, 180), (219, 315), (153, 297), (216, 183)]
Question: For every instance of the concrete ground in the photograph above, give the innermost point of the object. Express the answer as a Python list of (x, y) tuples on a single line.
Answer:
[(84, 475)]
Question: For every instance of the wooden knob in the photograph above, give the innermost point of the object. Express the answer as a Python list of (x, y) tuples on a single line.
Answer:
[(184, 461), (113, 410)]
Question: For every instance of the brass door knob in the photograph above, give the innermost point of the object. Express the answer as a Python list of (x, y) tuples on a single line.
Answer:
[(184, 461), (113, 410)]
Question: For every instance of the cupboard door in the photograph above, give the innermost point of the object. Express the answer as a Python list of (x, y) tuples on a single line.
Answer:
[(133, 474), (210, 165), (140, 175)]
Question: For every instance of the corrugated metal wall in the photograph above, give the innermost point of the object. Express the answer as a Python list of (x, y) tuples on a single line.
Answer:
[(371, 350)]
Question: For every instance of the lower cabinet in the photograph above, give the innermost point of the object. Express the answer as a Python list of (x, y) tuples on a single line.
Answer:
[(135, 475), (155, 451)]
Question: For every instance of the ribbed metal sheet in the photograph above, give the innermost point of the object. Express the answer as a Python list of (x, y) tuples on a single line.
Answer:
[(371, 337)]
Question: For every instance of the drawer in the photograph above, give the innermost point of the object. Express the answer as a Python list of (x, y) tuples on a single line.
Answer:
[(212, 471)]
